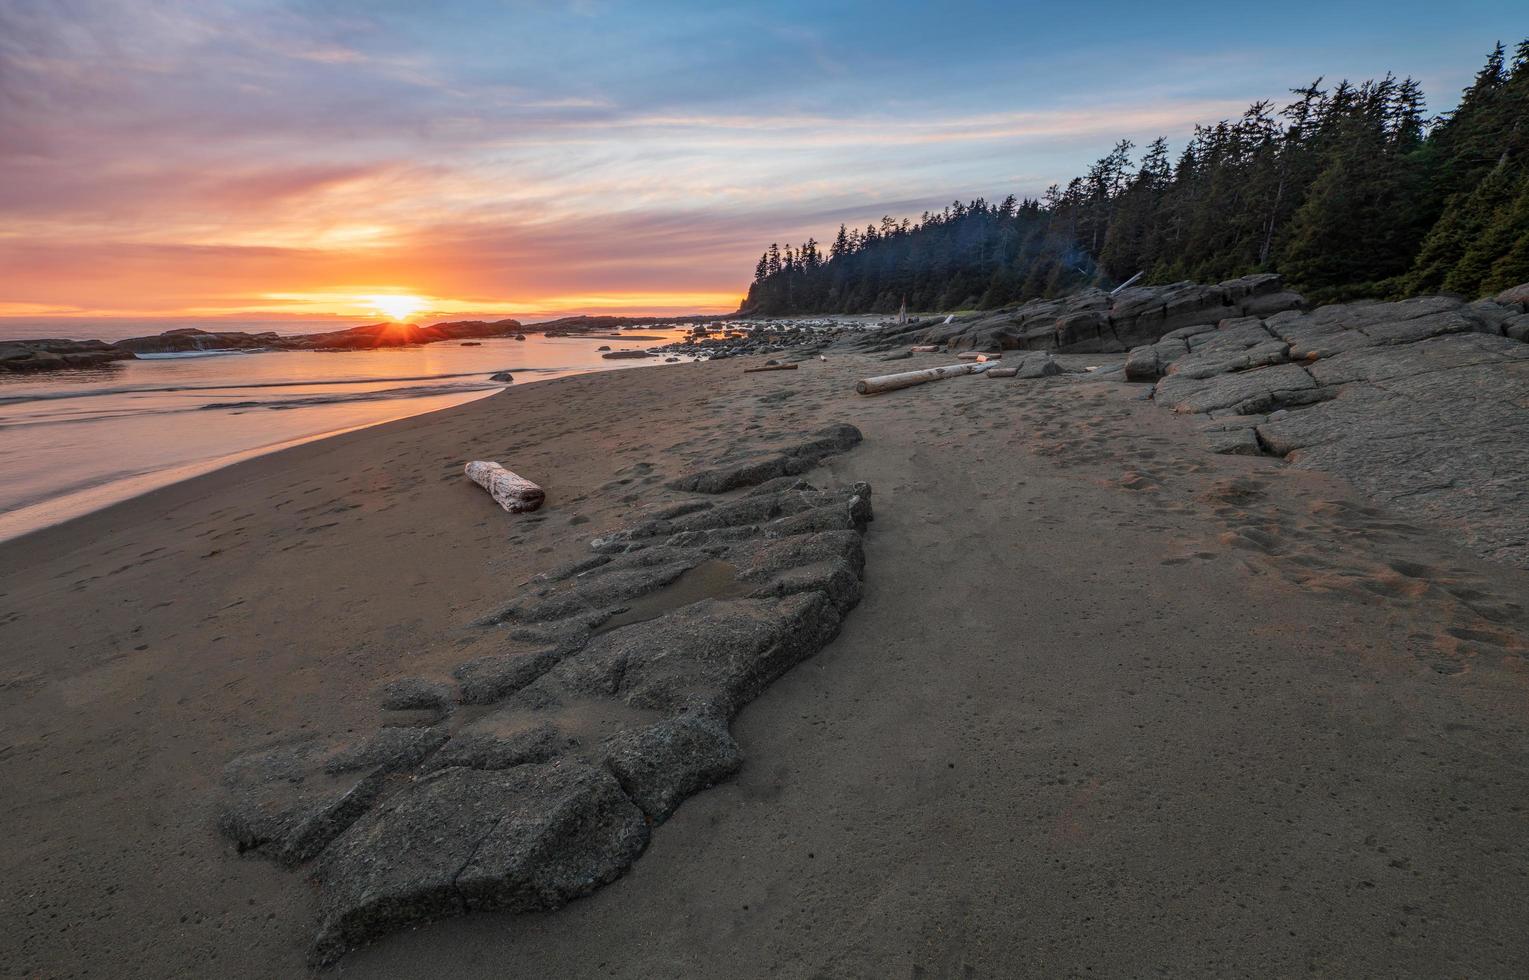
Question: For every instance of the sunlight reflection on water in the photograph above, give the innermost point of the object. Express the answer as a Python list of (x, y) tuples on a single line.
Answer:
[(74, 441)]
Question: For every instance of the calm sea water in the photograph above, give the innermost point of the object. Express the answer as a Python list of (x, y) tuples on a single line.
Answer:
[(75, 441)]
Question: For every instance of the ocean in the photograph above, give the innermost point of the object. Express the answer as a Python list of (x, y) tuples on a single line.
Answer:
[(74, 441)]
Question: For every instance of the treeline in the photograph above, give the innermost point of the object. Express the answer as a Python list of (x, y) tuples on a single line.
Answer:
[(1348, 190)]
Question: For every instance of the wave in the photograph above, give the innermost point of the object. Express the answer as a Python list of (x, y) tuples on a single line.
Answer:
[(237, 386), (180, 354), (386, 394), (60, 417)]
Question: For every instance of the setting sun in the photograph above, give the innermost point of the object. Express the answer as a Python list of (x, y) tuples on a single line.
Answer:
[(396, 307)]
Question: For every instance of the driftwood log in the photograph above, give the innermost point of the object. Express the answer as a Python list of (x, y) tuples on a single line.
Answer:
[(512, 492), (771, 367), (927, 349), (907, 379), (972, 355), (1002, 372)]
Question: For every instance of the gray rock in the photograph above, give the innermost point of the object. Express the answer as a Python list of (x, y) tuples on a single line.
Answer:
[(645, 650), (663, 764), (1235, 442), (791, 460), (391, 749), (1514, 296), (480, 746), (281, 803), (489, 679), (1040, 365), (1142, 364), (712, 655), (1246, 392), (416, 694), (461, 840), (50, 355), (603, 588), (1421, 403), (1093, 321)]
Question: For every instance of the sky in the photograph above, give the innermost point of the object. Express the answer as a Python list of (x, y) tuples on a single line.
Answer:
[(239, 158)]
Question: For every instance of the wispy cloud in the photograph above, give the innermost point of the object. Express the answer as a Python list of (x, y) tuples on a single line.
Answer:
[(207, 154)]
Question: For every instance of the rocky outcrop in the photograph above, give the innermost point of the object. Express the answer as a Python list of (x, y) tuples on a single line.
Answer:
[(1094, 321), (1422, 403), (750, 467), (191, 339), (51, 355), (609, 707)]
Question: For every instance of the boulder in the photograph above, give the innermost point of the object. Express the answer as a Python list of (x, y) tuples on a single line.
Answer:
[(661, 765), (281, 802), (489, 679), (487, 744), (1514, 296), (1039, 365), (460, 840), (415, 694), (1245, 392), (1142, 364), (790, 460), (391, 749), (713, 655), (51, 355)]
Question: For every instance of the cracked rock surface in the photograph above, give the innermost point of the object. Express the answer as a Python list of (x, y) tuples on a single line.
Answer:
[(1421, 403), (533, 775), (1094, 321)]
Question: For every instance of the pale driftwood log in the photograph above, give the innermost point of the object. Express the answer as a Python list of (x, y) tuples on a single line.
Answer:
[(771, 367), (927, 349), (1127, 283), (1002, 372), (907, 379), (512, 492)]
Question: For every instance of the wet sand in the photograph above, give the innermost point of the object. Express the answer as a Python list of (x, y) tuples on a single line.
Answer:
[(1111, 705)]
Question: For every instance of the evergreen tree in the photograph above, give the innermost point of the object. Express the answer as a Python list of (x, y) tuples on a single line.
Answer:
[(1346, 190)]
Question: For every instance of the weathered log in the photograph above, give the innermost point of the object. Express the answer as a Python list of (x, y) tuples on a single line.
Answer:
[(892, 382), (1002, 372), (983, 358), (926, 349), (770, 367), (512, 492), (1127, 284), (973, 355)]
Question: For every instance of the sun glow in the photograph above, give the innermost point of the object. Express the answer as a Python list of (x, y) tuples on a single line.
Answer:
[(394, 306)]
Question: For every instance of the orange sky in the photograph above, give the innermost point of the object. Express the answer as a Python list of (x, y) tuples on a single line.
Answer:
[(252, 157)]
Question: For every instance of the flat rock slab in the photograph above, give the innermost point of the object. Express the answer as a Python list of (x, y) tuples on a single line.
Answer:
[(795, 458), (1245, 392), (461, 840), (663, 764), (533, 777), (1422, 403), (713, 656), (282, 803)]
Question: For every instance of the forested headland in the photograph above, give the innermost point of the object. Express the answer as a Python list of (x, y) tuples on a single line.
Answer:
[(1348, 190)]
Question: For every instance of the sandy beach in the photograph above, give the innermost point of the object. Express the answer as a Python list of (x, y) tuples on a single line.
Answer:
[(1111, 704)]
